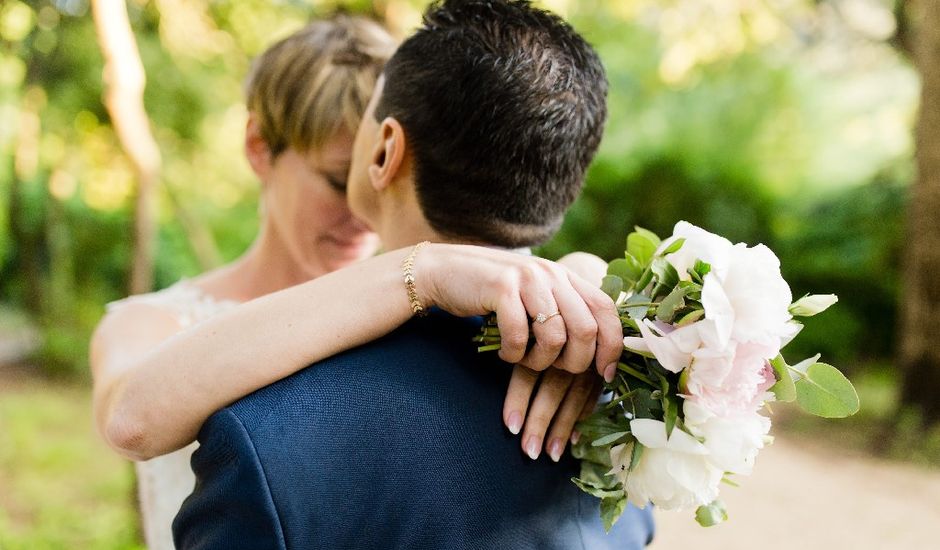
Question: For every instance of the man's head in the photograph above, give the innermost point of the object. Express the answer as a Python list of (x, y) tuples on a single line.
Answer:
[(490, 113)]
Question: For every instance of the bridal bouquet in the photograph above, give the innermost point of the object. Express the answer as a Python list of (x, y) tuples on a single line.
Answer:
[(704, 321)]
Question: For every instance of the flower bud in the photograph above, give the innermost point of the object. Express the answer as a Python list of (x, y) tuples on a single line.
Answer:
[(810, 305)]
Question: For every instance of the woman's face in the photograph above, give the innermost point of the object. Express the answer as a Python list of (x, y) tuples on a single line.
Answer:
[(305, 204)]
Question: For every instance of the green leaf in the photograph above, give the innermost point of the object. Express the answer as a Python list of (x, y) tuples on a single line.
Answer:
[(784, 389), (642, 245), (599, 492), (671, 409), (701, 268), (635, 455), (670, 304), (675, 246), (612, 285), (608, 439), (595, 463), (644, 404), (711, 514), (691, 317), (627, 269), (666, 276), (611, 510), (599, 425), (826, 392), (638, 311)]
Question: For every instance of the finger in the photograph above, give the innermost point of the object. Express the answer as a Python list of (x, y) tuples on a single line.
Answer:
[(549, 395), (571, 408), (609, 329), (513, 326), (589, 407), (550, 336), (521, 385), (580, 327)]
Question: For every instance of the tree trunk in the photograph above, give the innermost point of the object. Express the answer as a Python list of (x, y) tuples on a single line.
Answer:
[(26, 230), (125, 78), (919, 353)]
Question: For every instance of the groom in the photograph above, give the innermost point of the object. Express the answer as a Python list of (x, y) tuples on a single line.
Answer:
[(480, 132)]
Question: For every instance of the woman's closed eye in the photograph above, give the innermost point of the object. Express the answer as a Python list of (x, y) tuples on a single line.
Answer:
[(337, 182)]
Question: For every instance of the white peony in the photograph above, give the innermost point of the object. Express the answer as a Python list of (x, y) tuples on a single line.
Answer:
[(699, 245), (750, 302), (673, 473), (732, 441)]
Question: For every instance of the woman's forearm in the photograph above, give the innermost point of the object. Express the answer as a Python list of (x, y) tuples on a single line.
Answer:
[(159, 405)]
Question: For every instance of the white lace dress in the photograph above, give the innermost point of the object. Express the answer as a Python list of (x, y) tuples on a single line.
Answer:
[(165, 481)]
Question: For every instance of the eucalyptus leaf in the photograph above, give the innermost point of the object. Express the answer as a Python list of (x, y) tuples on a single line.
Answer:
[(784, 389), (641, 246), (826, 392), (595, 462), (612, 285), (670, 304), (598, 492), (640, 309), (628, 269), (711, 514), (611, 510)]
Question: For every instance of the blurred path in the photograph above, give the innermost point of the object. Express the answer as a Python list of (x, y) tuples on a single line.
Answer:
[(810, 497)]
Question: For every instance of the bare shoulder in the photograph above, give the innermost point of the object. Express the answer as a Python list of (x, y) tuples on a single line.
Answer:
[(131, 329)]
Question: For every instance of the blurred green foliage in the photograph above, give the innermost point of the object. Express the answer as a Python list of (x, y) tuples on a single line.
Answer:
[(786, 124), (64, 489)]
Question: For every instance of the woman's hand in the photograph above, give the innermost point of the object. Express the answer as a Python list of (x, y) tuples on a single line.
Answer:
[(472, 280), (562, 400)]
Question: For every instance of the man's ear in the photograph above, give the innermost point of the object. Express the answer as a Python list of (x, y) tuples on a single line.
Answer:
[(387, 155), (256, 148)]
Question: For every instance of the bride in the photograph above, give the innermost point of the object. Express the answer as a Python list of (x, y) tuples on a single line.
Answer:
[(309, 288)]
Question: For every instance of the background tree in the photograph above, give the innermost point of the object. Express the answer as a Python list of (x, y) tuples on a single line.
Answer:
[(919, 340)]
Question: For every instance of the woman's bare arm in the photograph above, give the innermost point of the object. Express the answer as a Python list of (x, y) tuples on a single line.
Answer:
[(156, 385)]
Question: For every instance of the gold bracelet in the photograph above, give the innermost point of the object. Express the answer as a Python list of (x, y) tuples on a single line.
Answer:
[(407, 268)]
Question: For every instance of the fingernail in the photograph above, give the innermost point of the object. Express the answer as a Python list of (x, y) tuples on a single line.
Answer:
[(609, 372), (575, 437), (532, 448), (554, 450), (515, 422)]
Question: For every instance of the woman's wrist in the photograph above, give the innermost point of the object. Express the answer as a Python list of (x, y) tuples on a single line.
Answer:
[(425, 270)]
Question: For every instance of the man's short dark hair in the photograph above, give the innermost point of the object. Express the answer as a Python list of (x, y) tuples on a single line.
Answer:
[(504, 106)]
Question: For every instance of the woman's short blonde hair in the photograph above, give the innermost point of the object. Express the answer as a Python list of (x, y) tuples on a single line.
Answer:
[(317, 81)]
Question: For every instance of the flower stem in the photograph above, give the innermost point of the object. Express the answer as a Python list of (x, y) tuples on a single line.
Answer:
[(635, 373)]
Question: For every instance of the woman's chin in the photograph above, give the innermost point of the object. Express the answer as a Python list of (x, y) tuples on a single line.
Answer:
[(345, 253)]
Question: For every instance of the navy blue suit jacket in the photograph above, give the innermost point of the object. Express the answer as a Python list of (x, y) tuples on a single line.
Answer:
[(396, 444)]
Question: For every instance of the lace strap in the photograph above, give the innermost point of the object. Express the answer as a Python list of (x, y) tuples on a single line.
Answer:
[(188, 303)]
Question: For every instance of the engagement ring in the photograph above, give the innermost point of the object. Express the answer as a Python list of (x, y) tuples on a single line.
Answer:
[(541, 317)]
